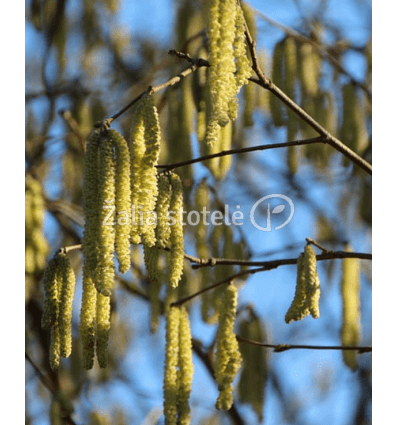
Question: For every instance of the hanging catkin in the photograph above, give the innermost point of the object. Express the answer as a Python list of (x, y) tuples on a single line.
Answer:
[(67, 290), (105, 271), (59, 286), (123, 200), (228, 358), (170, 388), (91, 205), (176, 259), (185, 369), (350, 292), (145, 146), (88, 315), (230, 66), (306, 298)]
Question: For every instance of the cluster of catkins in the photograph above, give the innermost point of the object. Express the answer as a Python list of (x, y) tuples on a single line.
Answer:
[(121, 205)]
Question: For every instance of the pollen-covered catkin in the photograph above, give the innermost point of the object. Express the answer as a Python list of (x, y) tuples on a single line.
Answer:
[(137, 152), (149, 183), (145, 146), (176, 259), (123, 200), (313, 289), (228, 357), (170, 388), (104, 277), (350, 291), (88, 315), (308, 290), (91, 206), (103, 328), (51, 301), (67, 287), (185, 368), (298, 309), (230, 66), (162, 212)]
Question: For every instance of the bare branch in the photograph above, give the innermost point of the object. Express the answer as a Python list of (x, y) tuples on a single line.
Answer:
[(284, 347)]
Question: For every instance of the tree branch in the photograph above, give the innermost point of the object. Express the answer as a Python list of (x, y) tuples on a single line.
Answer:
[(196, 63), (320, 139), (270, 86), (284, 347)]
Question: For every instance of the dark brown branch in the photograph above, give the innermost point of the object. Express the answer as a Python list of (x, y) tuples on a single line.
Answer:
[(284, 347), (169, 167), (273, 264)]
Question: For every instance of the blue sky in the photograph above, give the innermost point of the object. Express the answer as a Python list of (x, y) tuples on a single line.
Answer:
[(301, 369)]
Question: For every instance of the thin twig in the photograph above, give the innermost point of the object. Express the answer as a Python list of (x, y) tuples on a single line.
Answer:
[(270, 86), (312, 242), (272, 264), (196, 63), (320, 139), (284, 347)]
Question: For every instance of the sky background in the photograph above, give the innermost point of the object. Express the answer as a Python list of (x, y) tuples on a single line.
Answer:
[(300, 368)]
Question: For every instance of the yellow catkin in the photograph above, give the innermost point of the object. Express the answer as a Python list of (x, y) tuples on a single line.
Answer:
[(145, 147), (149, 187), (350, 292), (137, 152), (51, 302), (104, 278), (308, 290), (123, 200), (151, 257), (230, 66), (67, 285), (170, 388), (176, 259), (185, 368), (243, 65), (88, 315), (55, 347), (91, 206), (162, 212), (225, 161), (228, 358), (36, 247), (103, 328), (313, 289), (298, 309)]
